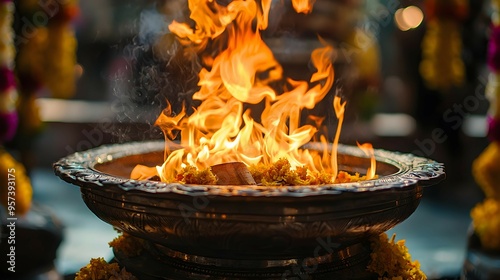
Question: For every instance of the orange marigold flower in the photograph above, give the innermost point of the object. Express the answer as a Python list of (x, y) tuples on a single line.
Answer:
[(486, 221), (391, 260), (99, 269)]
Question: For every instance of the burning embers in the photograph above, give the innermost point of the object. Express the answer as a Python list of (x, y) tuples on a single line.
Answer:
[(243, 72)]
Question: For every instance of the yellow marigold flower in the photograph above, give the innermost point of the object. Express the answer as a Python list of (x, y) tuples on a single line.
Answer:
[(280, 173), (391, 260), (21, 186), (486, 170), (486, 221), (128, 245), (99, 269), (191, 175)]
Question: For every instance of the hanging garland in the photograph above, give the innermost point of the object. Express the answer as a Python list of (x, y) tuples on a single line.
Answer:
[(46, 60), (486, 170), (15, 184), (61, 48), (8, 92), (442, 66)]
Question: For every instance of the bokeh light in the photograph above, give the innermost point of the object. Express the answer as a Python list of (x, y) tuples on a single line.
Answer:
[(408, 18)]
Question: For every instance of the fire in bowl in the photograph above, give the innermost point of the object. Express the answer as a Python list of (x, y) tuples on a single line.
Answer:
[(252, 223)]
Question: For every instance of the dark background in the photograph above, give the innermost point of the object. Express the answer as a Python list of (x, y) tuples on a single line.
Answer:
[(125, 83)]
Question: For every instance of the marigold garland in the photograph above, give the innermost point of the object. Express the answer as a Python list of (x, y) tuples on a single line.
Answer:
[(61, 52), (486, 168), (442, 66), (47, 58), (8, 92), (30, 69), (11, 170)]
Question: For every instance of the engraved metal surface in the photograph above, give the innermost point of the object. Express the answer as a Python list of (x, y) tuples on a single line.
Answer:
[(248, 222), (82, 169), (349, 265)]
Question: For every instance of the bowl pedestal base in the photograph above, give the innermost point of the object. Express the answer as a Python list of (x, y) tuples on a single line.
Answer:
[(158, 262)]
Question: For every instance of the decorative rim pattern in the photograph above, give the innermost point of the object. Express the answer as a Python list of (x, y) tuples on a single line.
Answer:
[(79, 169)]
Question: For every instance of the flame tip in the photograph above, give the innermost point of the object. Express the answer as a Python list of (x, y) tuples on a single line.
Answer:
[(244, 71)]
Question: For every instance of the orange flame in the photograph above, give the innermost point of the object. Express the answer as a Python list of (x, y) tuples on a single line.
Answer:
[(169, 125), (303, 6), (220, 129), (367, 148), (339, 112)]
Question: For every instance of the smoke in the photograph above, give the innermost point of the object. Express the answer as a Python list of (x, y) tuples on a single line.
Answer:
[(155, 68), (152, 25)]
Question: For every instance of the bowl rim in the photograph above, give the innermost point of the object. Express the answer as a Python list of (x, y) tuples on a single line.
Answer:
[(79, 169)]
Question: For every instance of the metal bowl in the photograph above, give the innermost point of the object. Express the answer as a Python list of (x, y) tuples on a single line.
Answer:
[(212, 223)]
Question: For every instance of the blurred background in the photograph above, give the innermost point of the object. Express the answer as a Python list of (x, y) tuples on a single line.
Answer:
[(413, 84)]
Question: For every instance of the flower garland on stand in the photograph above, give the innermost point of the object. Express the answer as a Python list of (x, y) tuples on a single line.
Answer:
[(486, 168), (441, 66), (390, 260), (15, 184)]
